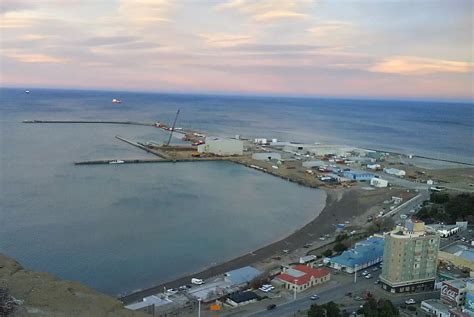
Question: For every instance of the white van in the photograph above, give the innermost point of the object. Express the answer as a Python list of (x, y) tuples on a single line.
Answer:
[(197, 281)]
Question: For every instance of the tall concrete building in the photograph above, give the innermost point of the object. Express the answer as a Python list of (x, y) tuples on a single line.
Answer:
[(410, 258)]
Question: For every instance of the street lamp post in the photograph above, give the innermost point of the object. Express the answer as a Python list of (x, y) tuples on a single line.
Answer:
[(199, 307), (294, 290)]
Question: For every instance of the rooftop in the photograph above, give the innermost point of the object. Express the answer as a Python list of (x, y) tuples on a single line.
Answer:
[(462, 250), (243, 297), (438, 305), (362, 252), (302, 274), (148, 301), (242, 275)]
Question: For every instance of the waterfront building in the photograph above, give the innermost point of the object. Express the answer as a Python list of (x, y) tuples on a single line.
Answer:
[(317, 149), (222, 146), (373, 166), (242, 277), (315, 163), (394, 171), (358, 176), (378, 182), (364, 254), (302, 277), (410, 258)]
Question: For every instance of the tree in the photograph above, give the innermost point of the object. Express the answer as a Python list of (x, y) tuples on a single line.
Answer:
[(381, 308), (439, 198), (332, 309), (339, 247), (341, 237), (327, 253), (386, 308), (316, 311)]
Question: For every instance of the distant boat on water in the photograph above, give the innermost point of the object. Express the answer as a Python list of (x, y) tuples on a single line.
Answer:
[(116, 101), (27, 91)]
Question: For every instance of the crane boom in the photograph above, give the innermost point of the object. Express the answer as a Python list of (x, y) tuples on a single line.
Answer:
[(172, 129)]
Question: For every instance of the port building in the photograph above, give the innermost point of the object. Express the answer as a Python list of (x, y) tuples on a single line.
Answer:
[(302, 277), (222, 146), (317, 149), (410, 258), (358, 176), (378, 182), (394, 171), (364, 254)]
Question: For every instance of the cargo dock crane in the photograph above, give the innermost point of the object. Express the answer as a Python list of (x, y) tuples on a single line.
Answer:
[(172, 128)]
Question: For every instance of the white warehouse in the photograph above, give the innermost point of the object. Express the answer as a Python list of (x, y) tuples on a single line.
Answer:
[(378, 182), (222, 146), (394, 171)]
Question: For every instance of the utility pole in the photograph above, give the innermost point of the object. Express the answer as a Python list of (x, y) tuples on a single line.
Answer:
[(355, 274), (199, 307)]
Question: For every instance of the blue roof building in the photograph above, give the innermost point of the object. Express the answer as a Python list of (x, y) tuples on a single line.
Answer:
[(358, 176), (364, 254), (242, 276)]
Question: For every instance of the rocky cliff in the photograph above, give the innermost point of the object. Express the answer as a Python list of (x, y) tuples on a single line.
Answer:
[(45, 295)]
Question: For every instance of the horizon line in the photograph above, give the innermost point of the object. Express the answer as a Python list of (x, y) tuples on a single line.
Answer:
[(251, 94)]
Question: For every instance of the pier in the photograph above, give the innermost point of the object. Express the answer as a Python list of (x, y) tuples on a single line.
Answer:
[(152, 151), (144, 161), (91, 121)]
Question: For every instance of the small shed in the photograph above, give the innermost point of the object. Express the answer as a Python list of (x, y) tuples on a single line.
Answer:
[(242, 298)]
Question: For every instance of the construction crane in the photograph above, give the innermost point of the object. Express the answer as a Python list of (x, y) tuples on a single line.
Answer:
[(172, 128)]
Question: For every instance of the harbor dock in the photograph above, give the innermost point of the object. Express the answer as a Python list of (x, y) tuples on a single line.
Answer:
[(91, 121)]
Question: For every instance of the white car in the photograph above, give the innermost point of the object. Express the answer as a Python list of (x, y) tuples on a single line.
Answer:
[(368, 276), (410, 301), (365, 273)]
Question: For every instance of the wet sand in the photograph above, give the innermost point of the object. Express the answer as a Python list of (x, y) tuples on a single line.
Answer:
[(341, 204)]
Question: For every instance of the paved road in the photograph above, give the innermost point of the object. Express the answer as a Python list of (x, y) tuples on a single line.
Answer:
[(332, 294), (413, 204)]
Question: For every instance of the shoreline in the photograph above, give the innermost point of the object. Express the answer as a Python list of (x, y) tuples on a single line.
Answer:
[(336, 200)]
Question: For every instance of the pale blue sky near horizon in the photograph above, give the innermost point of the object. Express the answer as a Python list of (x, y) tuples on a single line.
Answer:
[(348, 49)]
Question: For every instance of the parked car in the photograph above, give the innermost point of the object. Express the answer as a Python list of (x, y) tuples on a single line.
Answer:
[(365, 273), (368, 276), (271, 306), (410, 301), (314, 297)]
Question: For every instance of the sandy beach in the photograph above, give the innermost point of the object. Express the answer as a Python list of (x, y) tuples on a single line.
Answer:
[(341, 204)]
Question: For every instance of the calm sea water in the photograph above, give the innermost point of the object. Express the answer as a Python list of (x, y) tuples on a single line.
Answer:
[(120, 228)]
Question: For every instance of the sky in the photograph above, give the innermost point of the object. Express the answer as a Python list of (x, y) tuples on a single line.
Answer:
[(340, 48)]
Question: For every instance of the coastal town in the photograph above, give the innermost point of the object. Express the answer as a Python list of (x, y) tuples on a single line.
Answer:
[(369, 243)]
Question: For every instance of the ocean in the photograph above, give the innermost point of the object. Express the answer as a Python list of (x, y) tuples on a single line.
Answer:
[(127, 227)]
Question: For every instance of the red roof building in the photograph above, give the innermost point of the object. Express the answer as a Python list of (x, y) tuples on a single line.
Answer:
[(302, 277)]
